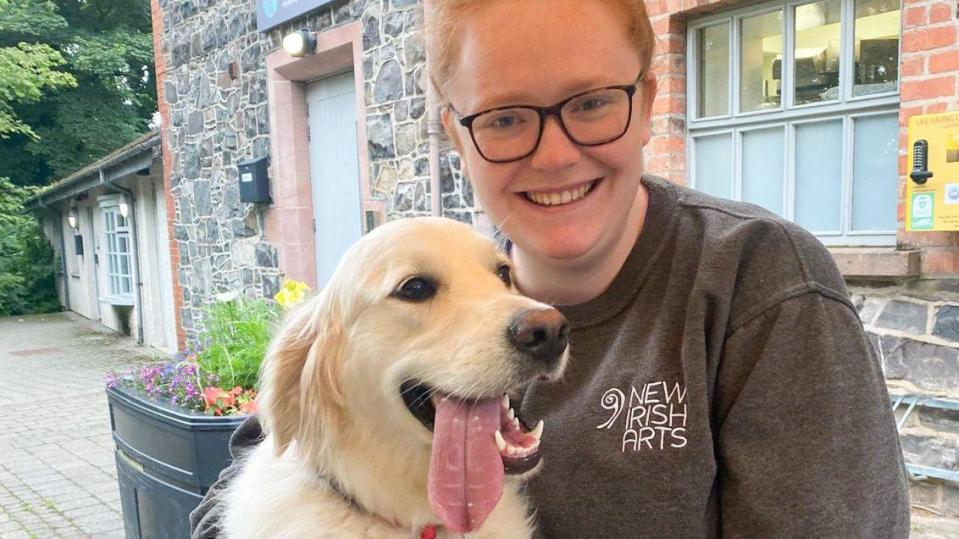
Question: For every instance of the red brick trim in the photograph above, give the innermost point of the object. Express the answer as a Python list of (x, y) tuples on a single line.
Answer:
[(160, 63)]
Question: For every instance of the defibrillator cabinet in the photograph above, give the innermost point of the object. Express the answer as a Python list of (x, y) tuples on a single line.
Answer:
[(932, 187)]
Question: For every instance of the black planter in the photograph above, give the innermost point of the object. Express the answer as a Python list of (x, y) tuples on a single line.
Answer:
[(167, 458)]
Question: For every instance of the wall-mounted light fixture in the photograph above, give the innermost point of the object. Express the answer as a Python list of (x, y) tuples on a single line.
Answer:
[(72, 218), (299, 43), (124, 206)]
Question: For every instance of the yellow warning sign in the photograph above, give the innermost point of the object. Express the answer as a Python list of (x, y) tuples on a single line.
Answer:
[(932, 189)]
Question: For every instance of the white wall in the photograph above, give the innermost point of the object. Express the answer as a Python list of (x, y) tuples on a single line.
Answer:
[(88, 282), (159, 330)]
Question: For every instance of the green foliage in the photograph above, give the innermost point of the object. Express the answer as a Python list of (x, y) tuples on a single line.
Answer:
[(237, 333), (27, 71), (105, 47), (73, 115), (27, 18), (27, 282)]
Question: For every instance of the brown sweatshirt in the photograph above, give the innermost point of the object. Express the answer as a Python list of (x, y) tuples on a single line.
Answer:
[(721, 386)]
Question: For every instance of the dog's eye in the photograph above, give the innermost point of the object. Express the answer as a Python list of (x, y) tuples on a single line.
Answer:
[(503, 273), (416, 289)]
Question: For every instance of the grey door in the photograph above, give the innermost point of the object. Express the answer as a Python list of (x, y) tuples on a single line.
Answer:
[(334, 170)]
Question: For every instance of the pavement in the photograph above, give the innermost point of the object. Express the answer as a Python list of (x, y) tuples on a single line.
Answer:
[(57, 472)]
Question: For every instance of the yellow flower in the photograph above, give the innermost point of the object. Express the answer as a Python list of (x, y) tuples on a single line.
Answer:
[(291, 293)]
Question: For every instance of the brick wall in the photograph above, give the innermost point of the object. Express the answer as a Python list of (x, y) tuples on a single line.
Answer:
[(929, 83), (164, 109)]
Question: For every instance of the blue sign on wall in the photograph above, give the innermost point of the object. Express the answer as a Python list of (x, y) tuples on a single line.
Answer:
[(270, 13)]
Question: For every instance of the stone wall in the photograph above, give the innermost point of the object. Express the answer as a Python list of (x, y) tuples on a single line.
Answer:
[(214, 88), (914, 328), (215, 92)]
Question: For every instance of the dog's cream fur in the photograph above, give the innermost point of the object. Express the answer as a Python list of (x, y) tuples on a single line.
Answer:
[(330, 399)]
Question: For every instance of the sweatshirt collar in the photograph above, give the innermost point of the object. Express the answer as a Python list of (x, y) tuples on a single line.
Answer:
[(657, 225)]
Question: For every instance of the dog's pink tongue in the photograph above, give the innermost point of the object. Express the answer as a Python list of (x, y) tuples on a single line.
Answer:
[(466, 469)]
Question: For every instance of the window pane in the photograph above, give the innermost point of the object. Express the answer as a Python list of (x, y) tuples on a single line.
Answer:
[(817, 52), (122, 244), (125, 265), (126, 286), (713, 174), (114, 286), (876, 46), (819, 175), (760, 68), (713, 70), (763, 168), (875, 172)]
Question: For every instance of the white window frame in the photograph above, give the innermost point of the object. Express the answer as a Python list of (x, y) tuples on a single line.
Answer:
[(115, 276), (846, 107)]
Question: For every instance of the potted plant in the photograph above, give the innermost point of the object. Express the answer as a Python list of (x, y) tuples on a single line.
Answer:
[(172, 420)]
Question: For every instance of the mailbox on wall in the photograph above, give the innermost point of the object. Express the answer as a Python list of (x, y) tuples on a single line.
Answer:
[(254, 180), (932, 190)]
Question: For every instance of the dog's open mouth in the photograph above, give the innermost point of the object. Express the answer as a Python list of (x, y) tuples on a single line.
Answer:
[(475, 442), (518, 444)]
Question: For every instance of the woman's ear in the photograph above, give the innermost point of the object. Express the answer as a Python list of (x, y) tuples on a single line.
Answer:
[(300, 396), (449, 125), (647, 90)]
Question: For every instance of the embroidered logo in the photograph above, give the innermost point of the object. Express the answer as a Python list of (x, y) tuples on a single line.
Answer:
[(655, 415)]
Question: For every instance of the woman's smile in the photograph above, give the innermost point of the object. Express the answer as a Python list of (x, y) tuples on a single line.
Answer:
[(562, 198)]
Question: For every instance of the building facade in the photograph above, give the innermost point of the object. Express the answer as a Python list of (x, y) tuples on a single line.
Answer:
[(108, 226), (799, 106)]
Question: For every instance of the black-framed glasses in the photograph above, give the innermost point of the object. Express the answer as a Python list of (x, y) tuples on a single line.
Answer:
[(590, 118)]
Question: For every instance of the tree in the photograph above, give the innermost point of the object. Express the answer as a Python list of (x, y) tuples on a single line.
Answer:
[(27, 279), (27, 70), (106, 47)]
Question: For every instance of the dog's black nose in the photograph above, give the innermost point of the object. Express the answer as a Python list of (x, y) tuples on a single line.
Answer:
[(541, 333)]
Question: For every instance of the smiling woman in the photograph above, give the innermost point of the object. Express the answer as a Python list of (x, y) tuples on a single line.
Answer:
[(663, 287)]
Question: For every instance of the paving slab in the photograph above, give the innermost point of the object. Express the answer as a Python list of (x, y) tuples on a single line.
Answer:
[(57, 473)]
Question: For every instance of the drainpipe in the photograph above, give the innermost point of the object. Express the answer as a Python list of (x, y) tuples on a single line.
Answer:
[(137, 292), (434, 127), (63, 252)]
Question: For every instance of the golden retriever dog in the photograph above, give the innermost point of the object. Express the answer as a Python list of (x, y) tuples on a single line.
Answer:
[(384, 398)]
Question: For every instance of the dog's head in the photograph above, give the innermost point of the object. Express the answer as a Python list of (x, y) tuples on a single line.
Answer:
[(419, 328)]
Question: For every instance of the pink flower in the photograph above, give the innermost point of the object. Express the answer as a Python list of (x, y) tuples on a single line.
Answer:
[(210, 395)]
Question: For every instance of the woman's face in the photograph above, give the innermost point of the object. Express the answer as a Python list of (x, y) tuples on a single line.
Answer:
[(539, 52)]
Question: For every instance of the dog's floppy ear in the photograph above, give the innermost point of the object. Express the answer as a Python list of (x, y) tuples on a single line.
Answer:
[(300, 397)]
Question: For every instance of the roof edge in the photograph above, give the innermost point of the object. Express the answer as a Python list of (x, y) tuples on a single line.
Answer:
[(60, 189)]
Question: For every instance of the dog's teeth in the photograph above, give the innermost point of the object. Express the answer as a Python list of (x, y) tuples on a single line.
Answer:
[(520, 452), (511, 414), (538, 431), (505, 402), (500, 442), (516, 424)]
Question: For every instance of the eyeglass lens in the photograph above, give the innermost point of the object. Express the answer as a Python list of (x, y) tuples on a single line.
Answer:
[(589, 119)]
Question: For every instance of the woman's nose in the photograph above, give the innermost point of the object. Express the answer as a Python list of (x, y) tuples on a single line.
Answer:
[(555, 150)]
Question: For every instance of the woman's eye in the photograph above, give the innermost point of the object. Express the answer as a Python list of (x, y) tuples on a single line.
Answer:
[(590, 104), (416, 289), (503, 272), (503, 121)]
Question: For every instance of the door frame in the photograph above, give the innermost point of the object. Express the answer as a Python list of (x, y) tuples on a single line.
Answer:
[(289, 222)]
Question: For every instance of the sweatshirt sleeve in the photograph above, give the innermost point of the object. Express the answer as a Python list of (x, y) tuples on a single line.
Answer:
[(205, 519), (806, 440)]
